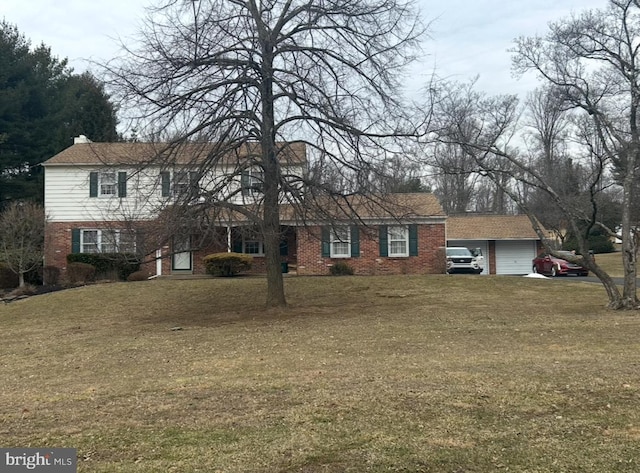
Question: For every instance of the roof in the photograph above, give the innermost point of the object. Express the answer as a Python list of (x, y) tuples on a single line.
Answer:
[(490, 227), (399, 206), (165, 153), (369, 209)]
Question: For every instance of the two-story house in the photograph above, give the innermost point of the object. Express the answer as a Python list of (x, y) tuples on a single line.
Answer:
[(123, 197)]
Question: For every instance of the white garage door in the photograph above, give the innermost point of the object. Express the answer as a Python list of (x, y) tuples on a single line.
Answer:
[(514, 257), (471, 244)]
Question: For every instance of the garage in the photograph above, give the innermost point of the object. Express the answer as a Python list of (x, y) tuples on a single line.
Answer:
[(472, 244), (514, 257)]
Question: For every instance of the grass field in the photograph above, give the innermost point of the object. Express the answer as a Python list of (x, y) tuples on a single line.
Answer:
[(453, 374)]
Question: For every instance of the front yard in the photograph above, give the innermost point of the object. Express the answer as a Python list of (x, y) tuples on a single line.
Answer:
[(413, 374)]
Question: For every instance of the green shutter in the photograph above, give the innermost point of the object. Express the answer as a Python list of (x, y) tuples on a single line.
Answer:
[(165, 178), (413, 240), (326, 243), (284, 247), (122, 184), (237, 245), (194, 186), (355, 241), (384, 240), (245, 182), (93, 184), (75, 240)]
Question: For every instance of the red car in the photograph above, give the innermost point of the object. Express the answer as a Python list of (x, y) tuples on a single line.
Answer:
[(553, 266)]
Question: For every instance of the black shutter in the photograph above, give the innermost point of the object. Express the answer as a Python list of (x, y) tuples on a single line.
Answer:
[(122, 184), (93, 184), (413, 240), (384, 240), (326, 243), (284, 247), (165, 178), (75, 240), (355, 241)]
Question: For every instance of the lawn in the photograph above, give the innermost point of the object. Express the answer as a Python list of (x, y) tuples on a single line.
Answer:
[(451, 374)]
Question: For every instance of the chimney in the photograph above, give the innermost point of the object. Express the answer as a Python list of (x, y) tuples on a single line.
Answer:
[(81, 139)]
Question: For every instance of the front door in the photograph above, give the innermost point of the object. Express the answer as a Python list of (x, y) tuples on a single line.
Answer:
[(181, 260)]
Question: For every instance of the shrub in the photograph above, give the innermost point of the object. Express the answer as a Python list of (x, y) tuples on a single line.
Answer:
[(8, 279), (598, 240), (138, 276), (227, 264), (51, 275), (340, 269), (80, 273), (440, 265), (108, 264)]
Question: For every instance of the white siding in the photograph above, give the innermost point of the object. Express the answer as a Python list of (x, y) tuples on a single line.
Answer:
[(67, 198), (514, 257), (66, 192)]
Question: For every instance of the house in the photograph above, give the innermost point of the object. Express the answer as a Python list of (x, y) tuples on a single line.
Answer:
[(508, 242), (123, 197)]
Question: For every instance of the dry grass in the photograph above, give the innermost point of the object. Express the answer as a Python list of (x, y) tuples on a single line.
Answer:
[(414, 374), (611, 263)]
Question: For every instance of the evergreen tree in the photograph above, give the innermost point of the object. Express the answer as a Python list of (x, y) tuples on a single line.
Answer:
[(43, 105)]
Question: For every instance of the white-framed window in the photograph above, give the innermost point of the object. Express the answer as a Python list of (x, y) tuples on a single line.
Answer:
[(340, 242), (253, 247), (107, 183), (107, 241), (89, 241), (252, 181), (398, 240), (181, 183)]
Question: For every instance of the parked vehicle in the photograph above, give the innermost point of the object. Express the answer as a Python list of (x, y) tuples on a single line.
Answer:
[(462, 260), (550, 265)]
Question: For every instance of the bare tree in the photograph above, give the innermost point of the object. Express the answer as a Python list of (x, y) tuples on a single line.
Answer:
[(592, 61), (484, 128), (268, 72), (22, 237), (454, 178), (547, 136)]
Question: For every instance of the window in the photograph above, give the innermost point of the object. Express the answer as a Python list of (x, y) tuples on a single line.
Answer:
[(341, 242), (107, 241), (184, 183), (89, 241), (398, 241), (253, 247), (181, 183), (107, 184), (252, 181)]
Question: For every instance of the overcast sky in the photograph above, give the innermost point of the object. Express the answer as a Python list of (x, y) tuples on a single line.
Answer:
[(468, 37)]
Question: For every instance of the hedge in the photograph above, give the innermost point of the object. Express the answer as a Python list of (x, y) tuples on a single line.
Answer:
[(227, 264), (123, 264)]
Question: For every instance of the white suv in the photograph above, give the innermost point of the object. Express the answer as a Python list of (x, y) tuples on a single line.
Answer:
[(462, 260)]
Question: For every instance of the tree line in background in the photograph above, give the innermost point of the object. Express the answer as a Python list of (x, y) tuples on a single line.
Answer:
[(43, 105)]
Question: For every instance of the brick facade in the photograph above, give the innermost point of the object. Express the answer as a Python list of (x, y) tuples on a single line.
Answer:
[(430, 259), (303, 253), (58, 244)]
